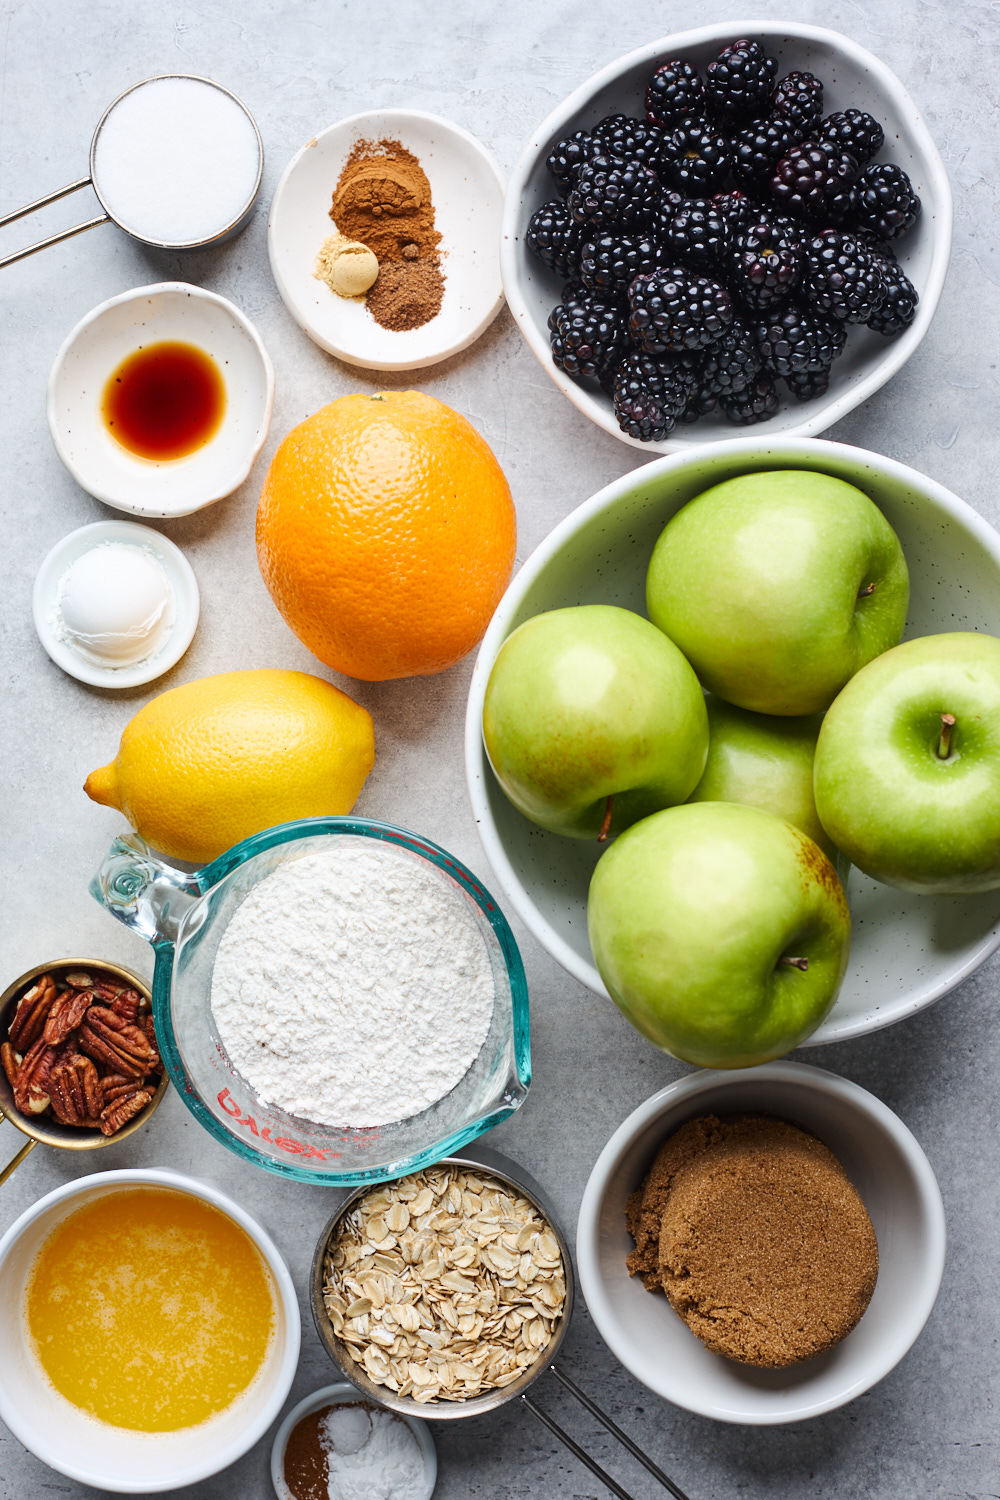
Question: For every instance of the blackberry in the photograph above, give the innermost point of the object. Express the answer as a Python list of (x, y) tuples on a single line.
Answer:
[(575, 294), (766, 263), (740, 82), (700, 405), (628, 139), (806, 385), (609, 192), (900, 304), (853, 131), (695, 158), (795, 339), (757, 402), (674, 309), (798, 99), (610, 262), (842, 277), (568, 156), (732, 362), (650, 394), (736, 208), (884, 201), (809, 176), (674, 92), (697, 234), (555, 237), (758, 148), (587, 338)]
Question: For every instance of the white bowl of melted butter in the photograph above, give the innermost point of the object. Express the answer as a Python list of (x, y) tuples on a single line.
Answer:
[(174, 1348)]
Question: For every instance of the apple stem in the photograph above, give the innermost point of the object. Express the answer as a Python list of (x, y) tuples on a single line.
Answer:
[(944, 743), (868, 589), (602, 837), (795, 963)]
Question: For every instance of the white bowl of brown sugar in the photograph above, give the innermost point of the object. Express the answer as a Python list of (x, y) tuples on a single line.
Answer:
[(426, 198), (852, 1164)]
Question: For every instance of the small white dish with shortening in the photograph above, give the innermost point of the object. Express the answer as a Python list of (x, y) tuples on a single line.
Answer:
[(467, 192), (890, 1173), (345, 1394), (95, 1453), (115, 604), (168, 312)]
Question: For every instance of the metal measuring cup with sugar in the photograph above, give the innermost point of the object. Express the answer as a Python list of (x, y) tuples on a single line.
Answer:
[(480, 1159), (176, 162)]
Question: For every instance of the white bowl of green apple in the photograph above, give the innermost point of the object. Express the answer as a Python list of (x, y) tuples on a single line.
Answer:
[(716, 835)]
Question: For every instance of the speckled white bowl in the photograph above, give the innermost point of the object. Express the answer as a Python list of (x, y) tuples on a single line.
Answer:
[(906, 950), (853, 79), (467, 193), (169, 310), (896, 1184)]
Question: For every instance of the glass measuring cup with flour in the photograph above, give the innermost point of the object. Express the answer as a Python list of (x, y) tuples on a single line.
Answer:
[(337, 1000), (176, 162)]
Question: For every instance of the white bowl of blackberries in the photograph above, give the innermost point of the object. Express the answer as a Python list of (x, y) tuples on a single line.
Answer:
[(733, 225)]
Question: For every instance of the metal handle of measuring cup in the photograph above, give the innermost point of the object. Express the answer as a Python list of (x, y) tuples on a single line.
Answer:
[(17, 1159), (53, 239), (612, 1427)]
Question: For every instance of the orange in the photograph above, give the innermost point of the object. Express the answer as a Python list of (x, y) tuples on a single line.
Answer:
[(386, 535)]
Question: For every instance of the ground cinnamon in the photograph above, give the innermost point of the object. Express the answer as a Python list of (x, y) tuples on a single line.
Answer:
[(383, 199), (306, 1468)]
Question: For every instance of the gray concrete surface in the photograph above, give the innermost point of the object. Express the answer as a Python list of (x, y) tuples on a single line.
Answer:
[(930, 1428)]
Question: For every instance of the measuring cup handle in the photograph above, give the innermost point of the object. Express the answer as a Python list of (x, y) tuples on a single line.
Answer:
[(16, 1160), (53, 239), (142, 891)]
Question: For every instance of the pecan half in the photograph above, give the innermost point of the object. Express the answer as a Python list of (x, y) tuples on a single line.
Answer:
[(11, 1062), (31, 1087), (119, 1045), (114, 1084), (78, 980), (75, 1091), (117, 1114), (126, 1004), (32, 1011), (68, 1011), (108, 989)]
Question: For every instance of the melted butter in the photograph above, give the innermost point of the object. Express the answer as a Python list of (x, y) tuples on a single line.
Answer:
[(150, 1309)]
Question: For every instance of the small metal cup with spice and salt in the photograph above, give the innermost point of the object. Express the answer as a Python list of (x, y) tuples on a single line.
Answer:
[(26, 1009), (448, 1265)]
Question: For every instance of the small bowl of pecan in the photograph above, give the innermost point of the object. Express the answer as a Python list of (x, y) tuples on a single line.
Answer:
[(80, 1063)]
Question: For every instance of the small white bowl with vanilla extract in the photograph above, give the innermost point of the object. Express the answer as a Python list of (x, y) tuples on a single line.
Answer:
[(160, 399)]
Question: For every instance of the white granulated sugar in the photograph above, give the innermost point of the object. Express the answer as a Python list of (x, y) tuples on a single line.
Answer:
[(387, 1464), (353, 987), (176, 161)]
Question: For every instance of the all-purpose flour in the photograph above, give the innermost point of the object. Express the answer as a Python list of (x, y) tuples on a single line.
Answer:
[(353, 987)]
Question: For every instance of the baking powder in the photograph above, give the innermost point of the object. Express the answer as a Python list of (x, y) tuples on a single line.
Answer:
[(353, 986), (372, 1455)]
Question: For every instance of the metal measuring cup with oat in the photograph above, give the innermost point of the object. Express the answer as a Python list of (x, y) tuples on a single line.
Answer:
[(448, 1292)]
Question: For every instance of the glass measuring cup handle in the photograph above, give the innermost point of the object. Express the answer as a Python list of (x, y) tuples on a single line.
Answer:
[(53, 239), (613, 1428), (143, 891)]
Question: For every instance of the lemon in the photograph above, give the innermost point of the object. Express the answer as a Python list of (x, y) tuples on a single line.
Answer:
[(207, 764)]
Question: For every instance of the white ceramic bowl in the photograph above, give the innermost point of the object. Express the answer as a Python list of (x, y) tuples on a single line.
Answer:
[(341, 1394), (114, 1458), (896, 1184), (853, 79), (170, 310), (906, 950), (180, 576), (467, 192)]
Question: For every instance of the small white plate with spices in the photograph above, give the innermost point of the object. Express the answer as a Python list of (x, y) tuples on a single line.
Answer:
[(467, 192)]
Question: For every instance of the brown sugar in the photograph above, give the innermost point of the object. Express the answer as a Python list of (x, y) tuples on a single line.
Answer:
[(753, 1230)]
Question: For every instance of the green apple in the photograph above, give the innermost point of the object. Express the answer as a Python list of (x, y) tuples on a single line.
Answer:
[(721, 932), (907, 775), (763, 761), (778, 587), (593, 719)]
